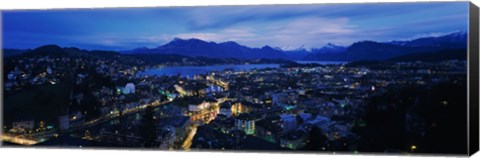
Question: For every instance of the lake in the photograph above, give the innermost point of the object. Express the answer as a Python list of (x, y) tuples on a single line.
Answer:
[(190, 71), (321, 62)]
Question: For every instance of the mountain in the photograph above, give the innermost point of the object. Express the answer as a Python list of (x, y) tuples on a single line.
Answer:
[(53, 51), (133, 51), (297, 54), (372, 50), (330, 48), (450, 41), (329, 52), (57, 51), (47, 50), (442, 55), (198, 48), (362, 50), (447, 54)]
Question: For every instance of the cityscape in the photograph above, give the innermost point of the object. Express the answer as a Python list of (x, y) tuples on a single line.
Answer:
[(400, 92)]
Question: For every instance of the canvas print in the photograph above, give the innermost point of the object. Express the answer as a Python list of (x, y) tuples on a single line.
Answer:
[(321, 78)]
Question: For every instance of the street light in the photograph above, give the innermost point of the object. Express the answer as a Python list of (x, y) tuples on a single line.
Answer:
[(413, 148)]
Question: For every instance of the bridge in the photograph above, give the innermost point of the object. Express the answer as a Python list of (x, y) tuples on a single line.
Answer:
[(204, 116), (218, 82)]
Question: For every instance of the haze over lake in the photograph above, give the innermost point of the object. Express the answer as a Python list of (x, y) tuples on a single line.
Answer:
[(190, 71)]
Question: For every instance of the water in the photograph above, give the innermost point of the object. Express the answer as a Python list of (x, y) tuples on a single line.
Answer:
[(321, 62), (190, 71)]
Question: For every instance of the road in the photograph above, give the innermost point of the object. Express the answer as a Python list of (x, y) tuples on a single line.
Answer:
[(188, 141), (18, 139), (40, 137)]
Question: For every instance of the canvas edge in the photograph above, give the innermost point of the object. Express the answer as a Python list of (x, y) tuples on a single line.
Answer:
[(473, 80), (1, 79)]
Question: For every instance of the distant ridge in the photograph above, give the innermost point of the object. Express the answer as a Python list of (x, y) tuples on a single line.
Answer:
[(442, 55), (196, 48), (372, 50), (362, 50)]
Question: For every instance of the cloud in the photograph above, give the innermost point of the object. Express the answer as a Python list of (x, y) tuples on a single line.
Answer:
[(230, 16), (285, 26), (311, 32), (234, 34), (118, 42), (307, 31), (430, 34)]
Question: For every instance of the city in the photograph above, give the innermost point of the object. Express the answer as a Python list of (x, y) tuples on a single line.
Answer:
[(285, 108), (239, 78)]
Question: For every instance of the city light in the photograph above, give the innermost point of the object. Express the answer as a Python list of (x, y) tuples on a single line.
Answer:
[(413, 148), (192, 93)]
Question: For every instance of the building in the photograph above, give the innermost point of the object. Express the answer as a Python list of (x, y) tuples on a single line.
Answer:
[(240, 107), (207, 137), (178, 124), (289, 122), (125, 139), (295, 140), (269, 129), (129, 88), (226, 109), (76, 118), (198, 107), (166, 137), (69, 141), (246, 123), (24, 125), (63, 122)]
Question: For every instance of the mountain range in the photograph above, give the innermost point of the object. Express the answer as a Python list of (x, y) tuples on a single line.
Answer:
[(372, 50), (362, 50), (199, 48), (129, 59)]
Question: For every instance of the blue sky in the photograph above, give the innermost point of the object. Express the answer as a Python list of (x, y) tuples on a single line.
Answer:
[(284, 26)]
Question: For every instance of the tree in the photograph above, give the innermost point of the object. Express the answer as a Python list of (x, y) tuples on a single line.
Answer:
[(317, 140), (148, 128)]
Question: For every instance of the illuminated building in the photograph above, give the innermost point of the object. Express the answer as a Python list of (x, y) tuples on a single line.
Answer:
[(129, 88), (198, 107), (246, 123), (23, 125), (226, 109), (244, 107)]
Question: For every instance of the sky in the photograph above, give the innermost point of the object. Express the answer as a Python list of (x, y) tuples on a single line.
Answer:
[(283, 26)]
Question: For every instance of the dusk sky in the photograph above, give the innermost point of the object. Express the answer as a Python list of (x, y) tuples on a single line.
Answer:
[(284, 26)]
